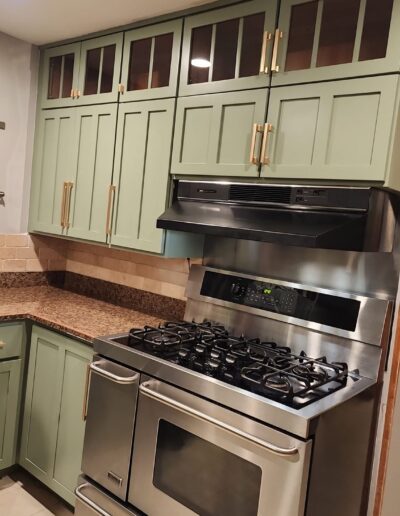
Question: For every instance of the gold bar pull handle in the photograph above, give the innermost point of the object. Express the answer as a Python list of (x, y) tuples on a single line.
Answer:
[(77, 93), (68, 204), (111, 192), (72, 94), (266, 39), (86, 393), (63, 205), (278, 36), (121, 88), (257, 128), (265, 160)]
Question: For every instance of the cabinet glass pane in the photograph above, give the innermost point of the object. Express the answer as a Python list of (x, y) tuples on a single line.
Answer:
[(92, 71), (226, 40), (200, 51), (107, 71), (253, 31), (68, 75), (139, 64), (338, 32), (53, 91), (376, 28), (204, 477), (162, 60), (301, 36)]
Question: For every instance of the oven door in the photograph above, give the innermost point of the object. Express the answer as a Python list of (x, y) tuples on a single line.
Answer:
[(192, 456), (110, 423)]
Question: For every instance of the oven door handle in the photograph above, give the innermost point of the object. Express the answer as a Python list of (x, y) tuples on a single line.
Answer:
[(146, 389), (123, 380), (88, 501)]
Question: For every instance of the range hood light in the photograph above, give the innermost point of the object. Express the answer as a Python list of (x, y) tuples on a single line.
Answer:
[(200, 62)]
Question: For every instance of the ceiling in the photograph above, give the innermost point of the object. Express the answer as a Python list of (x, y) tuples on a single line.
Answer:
[(47, 21)]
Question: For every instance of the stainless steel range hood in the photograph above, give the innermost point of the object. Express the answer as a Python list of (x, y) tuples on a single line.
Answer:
[(311, 216)]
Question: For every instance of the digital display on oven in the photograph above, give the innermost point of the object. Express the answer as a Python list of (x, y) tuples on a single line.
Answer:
[(335, 311)]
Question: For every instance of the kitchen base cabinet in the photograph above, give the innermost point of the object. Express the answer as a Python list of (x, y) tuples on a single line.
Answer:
[(53, 428), (12, 350), (338, 130), (213, 133)]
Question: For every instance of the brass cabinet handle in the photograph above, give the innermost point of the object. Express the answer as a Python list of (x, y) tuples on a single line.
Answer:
[(63, 205), (86, 393), (72, 93), (69, 186), (121, 88), (257, 128), (2, 344), (264, 145), (278, 36), (266, 39), (111, 192), (77, 93)]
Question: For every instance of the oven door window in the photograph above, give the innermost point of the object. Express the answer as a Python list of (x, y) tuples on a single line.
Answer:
[(204, 477)]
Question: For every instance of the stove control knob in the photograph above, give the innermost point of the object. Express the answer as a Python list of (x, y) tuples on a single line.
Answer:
[(237, 290)]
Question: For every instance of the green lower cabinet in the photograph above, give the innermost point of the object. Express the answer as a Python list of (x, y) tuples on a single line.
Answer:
[(10, 391), (338, 130), (213, 133), (53, 428)]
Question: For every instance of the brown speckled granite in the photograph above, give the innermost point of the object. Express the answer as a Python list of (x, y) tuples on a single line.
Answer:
[(31, 279), (135, 299), (64, 311)]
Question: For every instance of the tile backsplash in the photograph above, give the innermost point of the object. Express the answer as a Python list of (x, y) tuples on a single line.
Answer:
[(27, 253)]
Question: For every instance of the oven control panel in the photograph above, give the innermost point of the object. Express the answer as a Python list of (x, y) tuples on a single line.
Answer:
[(332, 310)]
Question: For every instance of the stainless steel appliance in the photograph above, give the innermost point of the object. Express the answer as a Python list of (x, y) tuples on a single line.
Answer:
[(262, 403)]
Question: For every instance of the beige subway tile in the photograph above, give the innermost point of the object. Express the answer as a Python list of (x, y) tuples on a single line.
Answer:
[(36, 265), (16, 240), (175, 291), (14, 265), (177, 278), (48, 253), (28, 253), (2, 240), (152, 285), (57, 265), (7, 253)]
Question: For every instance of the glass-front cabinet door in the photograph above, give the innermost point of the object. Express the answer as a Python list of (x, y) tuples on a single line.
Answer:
[(150, 62), (332, 39), (228, 49), (60, 67), (99, 70)]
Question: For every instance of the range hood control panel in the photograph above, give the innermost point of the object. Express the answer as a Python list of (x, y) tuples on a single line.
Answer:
[(332, 310)]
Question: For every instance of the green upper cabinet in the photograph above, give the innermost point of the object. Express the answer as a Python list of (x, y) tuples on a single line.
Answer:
[(143, 151), (321, 40), (151, 60), (87, 203), (228, 49), (99, 71), (59, 75), (54, 165), (339, 130), (220, 134), (53, 428)]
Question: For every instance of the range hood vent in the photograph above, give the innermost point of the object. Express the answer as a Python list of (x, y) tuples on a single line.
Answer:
[(308, 216), (257, 194)]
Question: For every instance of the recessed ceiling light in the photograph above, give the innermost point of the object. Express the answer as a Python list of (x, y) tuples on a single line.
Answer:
[(199, 62)]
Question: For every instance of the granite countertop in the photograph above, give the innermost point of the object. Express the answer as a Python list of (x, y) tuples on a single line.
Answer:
[(74, 314)]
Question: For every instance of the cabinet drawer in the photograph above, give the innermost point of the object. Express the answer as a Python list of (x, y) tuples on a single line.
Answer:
[(11, 339)]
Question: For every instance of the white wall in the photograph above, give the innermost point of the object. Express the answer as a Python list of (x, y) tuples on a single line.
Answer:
[(18, 89)]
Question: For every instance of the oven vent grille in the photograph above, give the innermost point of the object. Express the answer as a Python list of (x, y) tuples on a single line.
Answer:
[(259, 193)]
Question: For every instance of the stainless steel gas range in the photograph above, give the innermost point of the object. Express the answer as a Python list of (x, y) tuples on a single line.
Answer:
[(261, 403)]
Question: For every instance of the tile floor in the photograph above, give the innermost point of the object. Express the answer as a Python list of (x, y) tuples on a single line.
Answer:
[(23, 495)]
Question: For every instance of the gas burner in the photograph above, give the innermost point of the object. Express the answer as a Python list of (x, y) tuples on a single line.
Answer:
[(263, 367)]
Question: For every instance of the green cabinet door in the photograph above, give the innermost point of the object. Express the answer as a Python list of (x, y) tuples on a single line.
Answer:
[(59, 72), (338, 130), (150, 62), (10, 393), (213, 133), (325, 39), (228, 49), (53, 429), (53, 166), (99, 70), (95, 140), (141, 169)]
